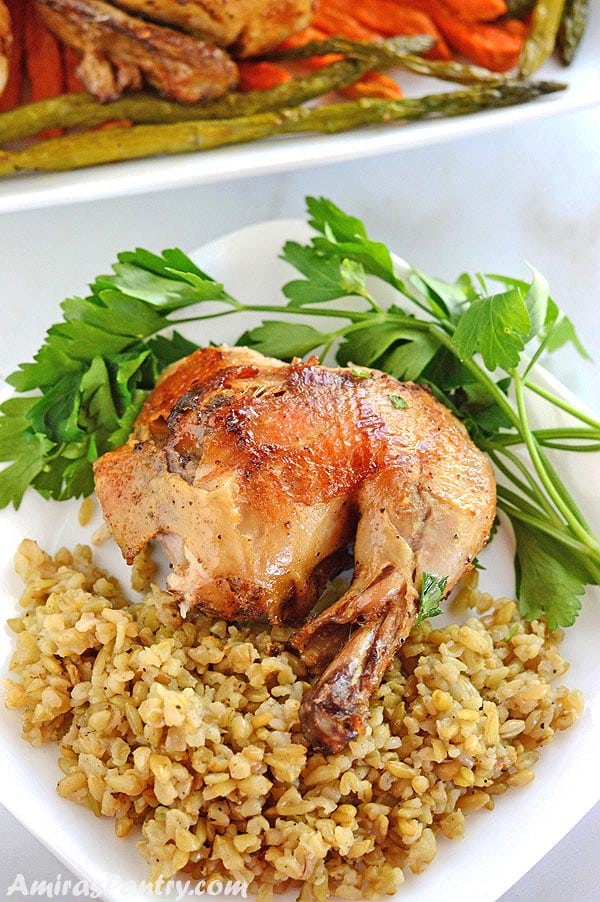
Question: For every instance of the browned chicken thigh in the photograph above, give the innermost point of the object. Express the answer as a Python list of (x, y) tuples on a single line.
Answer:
[(177, 46), (256, 476), (120, 51)]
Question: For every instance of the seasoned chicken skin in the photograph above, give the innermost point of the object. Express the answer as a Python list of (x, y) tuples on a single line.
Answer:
[(174, 45), (257, 475), (120, 51)]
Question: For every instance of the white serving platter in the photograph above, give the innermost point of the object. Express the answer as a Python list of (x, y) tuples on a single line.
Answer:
[(499, 847), (31, 191)]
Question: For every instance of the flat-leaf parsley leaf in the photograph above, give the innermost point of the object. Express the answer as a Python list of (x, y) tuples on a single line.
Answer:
[(433, 589)]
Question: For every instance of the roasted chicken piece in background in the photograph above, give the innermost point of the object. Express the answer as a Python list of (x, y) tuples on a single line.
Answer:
[(256, 475), (120, 51), (248, 26), (186, 62), (5, 45)]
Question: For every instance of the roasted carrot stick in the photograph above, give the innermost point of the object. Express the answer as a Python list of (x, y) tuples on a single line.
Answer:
[(373, 84), (320, 62), (260, 76), (516, 27), (475, 10), (491, 46), (390, 19), (340, 22), (71, 60), (44, 60), (12, 93)]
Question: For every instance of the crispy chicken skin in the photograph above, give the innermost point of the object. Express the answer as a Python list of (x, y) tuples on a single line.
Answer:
[(256, 476), (121, 51)]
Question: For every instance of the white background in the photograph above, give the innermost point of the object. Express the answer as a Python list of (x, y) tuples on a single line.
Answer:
[(484, 203)]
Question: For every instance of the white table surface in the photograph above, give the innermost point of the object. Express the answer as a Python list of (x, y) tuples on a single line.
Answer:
[(486, 203)]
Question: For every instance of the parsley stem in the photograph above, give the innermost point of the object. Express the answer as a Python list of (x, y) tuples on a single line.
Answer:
[(530, 487), (581, 433), (414, 300), (522, 504), (563, 405), (538, 353), (564, 446), (562, 490), (371, 301), (325, 351), (564, 538), (198, 319), (517, 513), (554, 494), (354, 316), (546, 436)]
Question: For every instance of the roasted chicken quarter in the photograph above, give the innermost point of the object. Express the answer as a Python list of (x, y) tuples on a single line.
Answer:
[(258, 476)]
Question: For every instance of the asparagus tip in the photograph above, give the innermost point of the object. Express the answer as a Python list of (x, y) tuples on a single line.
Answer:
[(550, 87)]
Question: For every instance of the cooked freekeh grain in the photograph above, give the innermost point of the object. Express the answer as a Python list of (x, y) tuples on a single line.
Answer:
[(190, 732)]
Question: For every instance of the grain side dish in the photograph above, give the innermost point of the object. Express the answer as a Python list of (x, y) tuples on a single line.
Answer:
[(188, 733)]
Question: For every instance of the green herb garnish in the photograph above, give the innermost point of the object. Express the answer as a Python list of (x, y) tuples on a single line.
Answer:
[(475, 348), (398, 402), (432, 592), (90, 377), (511, 633)]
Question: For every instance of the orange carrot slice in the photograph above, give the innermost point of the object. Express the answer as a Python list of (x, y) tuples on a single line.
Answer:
[(516, 27), (259, 76), (491, 46), (43, 60), (373, 84), (71, 60), (475, 10), (390, 18), (334, 21)]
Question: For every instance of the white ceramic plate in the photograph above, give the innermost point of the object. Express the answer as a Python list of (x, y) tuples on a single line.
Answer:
[(283, 154), (499, 847)]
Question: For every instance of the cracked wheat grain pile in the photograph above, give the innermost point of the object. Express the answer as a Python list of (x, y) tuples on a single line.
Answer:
[(189, 732)]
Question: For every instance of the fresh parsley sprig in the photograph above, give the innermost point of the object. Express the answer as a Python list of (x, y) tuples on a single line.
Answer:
[(92, 373), (433, 589), (474, 346)]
